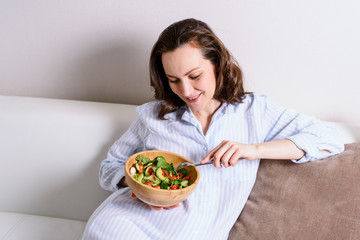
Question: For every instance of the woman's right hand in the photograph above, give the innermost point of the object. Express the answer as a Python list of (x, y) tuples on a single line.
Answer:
[(155, 207), (228, 153)]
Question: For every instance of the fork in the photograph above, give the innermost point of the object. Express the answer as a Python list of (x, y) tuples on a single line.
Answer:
[(184, 164)]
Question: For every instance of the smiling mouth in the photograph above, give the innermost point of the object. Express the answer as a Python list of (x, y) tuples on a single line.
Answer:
[(194, 99)]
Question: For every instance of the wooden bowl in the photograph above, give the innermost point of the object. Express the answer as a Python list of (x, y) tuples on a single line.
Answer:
[(161, 197)]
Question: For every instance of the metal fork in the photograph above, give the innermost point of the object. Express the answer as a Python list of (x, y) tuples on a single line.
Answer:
[(184, 164)]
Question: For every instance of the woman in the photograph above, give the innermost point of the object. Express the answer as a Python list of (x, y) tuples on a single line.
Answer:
[(203, 113)]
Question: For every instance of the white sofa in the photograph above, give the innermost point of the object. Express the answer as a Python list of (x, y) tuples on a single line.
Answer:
[(50, 152)]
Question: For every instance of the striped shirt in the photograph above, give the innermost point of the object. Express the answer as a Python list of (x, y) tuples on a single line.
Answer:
[(213, 207)]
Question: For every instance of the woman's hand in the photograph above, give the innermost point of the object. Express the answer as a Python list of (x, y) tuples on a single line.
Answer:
[(227, 153), (155, 207)]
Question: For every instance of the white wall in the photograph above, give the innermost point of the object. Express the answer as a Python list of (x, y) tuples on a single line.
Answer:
[(303, 54)]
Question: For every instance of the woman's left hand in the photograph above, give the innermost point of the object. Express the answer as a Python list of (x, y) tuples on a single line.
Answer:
[(227, 153)]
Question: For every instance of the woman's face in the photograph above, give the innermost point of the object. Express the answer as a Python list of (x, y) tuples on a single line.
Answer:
[(192, 78)]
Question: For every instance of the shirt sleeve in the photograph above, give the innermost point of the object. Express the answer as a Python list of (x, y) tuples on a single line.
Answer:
[(308, 133), (112, 168)]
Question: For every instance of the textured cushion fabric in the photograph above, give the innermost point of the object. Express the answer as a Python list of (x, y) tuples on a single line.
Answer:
[(316, 200), (15, 226)]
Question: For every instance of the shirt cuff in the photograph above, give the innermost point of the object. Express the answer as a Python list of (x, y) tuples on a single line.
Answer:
[(117, 177), (304, 143)]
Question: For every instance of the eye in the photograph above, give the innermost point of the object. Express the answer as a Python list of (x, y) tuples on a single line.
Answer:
[(173, 81), (195, 77)]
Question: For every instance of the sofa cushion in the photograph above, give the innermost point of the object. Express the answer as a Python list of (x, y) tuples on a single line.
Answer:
[(15, 226), (315, 200)]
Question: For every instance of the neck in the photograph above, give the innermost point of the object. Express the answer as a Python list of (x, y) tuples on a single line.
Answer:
[(205, 116)]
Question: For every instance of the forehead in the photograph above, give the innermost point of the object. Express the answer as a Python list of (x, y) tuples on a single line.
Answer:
[(182, 59)]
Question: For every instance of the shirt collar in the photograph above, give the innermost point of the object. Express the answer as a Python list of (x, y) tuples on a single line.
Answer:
[(184, 113), (187, 114)]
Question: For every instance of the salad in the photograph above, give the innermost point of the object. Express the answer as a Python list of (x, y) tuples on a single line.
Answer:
[(158, 173)]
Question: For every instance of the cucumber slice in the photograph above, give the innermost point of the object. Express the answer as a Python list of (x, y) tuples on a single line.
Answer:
[(140, 177), (149, 178), (173, 170), (159, 173), (157, 181), (184, 183), (137, 167), (152, 178), (167, 180), (151, 163), (147, 171)]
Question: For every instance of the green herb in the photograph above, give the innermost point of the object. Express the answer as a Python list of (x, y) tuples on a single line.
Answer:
[(183, 171), (142, 159), (163, 185), (175, 182), (161, 162)]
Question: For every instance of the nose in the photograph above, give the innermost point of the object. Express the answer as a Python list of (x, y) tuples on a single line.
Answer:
[(186, 88)]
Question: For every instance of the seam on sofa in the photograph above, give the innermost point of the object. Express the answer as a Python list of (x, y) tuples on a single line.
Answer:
[(12, 229)]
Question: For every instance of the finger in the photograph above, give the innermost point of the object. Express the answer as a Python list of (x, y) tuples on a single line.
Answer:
[(217, 159), (218, 155), (205, 159), (133, 195), (225, 159), (232, 155), (155, 207), (227, 156), (210, 155), (233, 162), (173, 206), (235, 158)]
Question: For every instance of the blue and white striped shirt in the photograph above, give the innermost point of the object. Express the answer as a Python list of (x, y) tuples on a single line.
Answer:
[(217, 201)]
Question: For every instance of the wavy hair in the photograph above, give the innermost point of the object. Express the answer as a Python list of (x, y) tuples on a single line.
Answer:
[(229, 77)]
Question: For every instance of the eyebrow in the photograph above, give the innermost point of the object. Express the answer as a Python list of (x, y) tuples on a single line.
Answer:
[(185, 73)]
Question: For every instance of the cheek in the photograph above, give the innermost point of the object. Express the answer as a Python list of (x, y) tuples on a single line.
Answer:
[(174, 89), (209, 84), (213, 83)]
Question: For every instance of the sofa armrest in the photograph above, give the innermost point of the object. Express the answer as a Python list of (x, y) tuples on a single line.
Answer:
[(315, 200), (50, 154)]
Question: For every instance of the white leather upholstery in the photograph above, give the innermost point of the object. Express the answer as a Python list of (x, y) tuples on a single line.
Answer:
[(350, 132), (15, 226), (50, 152)]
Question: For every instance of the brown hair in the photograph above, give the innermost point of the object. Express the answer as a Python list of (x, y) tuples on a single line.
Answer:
[(229, 77)]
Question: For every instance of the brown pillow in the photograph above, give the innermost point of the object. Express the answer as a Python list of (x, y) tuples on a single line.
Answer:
[(315, 200)]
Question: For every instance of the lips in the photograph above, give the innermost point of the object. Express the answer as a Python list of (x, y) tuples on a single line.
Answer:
[(194, 99)]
